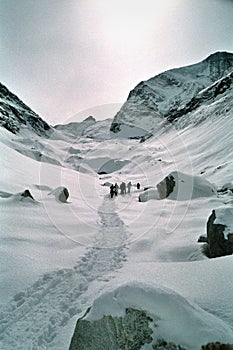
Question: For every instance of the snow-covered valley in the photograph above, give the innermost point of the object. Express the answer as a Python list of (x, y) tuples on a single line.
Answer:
[(57, 259)]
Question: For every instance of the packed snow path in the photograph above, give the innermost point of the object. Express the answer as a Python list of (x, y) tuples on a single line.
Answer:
[(34, 317)]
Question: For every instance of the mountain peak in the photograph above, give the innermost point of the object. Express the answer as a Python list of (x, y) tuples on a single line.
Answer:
[(152, 102), (220, 55)]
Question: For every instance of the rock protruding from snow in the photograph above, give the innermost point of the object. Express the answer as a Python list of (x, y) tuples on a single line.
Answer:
[(61, 194), (130, 331), (26, 194), (135, 316), (217, 346), (15, 115), (220, 232), (179, 186), (227, 187), (152, 104), (166, 186)]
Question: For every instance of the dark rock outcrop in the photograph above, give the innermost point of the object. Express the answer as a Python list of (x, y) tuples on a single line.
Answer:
[(61, 194), (15, 115), (217, 346), (26, 194), (129, 332), (218, 244), (166, 186), (162, 344)]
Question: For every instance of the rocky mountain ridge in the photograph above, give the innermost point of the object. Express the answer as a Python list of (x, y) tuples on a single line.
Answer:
[(173, 93), (16, 115)]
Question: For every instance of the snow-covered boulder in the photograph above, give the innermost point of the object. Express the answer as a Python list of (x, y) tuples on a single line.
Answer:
[(136, 316), (61, 194), (220, 232), (179, 186)]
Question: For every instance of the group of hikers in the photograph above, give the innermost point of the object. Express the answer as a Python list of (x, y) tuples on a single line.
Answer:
[(114, 189)]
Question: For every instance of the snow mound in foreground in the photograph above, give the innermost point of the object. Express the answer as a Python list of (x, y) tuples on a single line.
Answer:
[(179, 186), (25, 197), (140, 314)]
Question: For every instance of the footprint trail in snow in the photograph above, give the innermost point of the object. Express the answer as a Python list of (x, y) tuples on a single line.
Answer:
[(33, 318)]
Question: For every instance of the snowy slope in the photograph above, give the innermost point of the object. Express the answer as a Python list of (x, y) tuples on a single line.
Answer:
[(57, 259), (169, 94)]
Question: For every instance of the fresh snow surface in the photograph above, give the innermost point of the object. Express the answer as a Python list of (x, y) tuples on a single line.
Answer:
[(57, 258)]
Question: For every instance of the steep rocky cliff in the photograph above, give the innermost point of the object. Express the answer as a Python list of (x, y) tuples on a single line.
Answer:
[(155, 102), (16, 115)]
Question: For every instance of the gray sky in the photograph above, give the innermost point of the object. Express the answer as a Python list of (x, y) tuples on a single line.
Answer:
[(63, 56)]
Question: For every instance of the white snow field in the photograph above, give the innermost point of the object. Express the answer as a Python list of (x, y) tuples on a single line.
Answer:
[(58, 258)]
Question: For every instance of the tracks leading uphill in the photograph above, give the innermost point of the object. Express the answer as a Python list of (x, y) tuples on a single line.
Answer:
[(34, 317)]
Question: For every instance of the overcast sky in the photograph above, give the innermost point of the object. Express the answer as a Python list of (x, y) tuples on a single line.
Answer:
[(64, 56)]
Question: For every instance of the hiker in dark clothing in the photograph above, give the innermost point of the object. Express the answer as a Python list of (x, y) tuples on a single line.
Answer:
[(116, 188), (112, 190), (138, 186), (129, 185), (123, 188)]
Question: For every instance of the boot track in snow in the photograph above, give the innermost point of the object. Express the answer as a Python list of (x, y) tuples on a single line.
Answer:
[(33, 318)]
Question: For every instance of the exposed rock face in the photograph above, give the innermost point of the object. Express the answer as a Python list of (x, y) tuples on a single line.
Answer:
[(218, 244), (61, 194), (204, 96), (162, 344), (152, 104), (217, 346), (27, 193), (166, 186), (129, 332), (14, 114)]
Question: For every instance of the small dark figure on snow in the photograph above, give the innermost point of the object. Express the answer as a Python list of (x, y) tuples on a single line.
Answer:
[(116, 188), (129, 185), (138, 186), (123, 188), (112, 190)]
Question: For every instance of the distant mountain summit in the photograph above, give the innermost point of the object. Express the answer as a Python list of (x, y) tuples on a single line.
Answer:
[(174, 93), (76, 128), (16, 115)]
